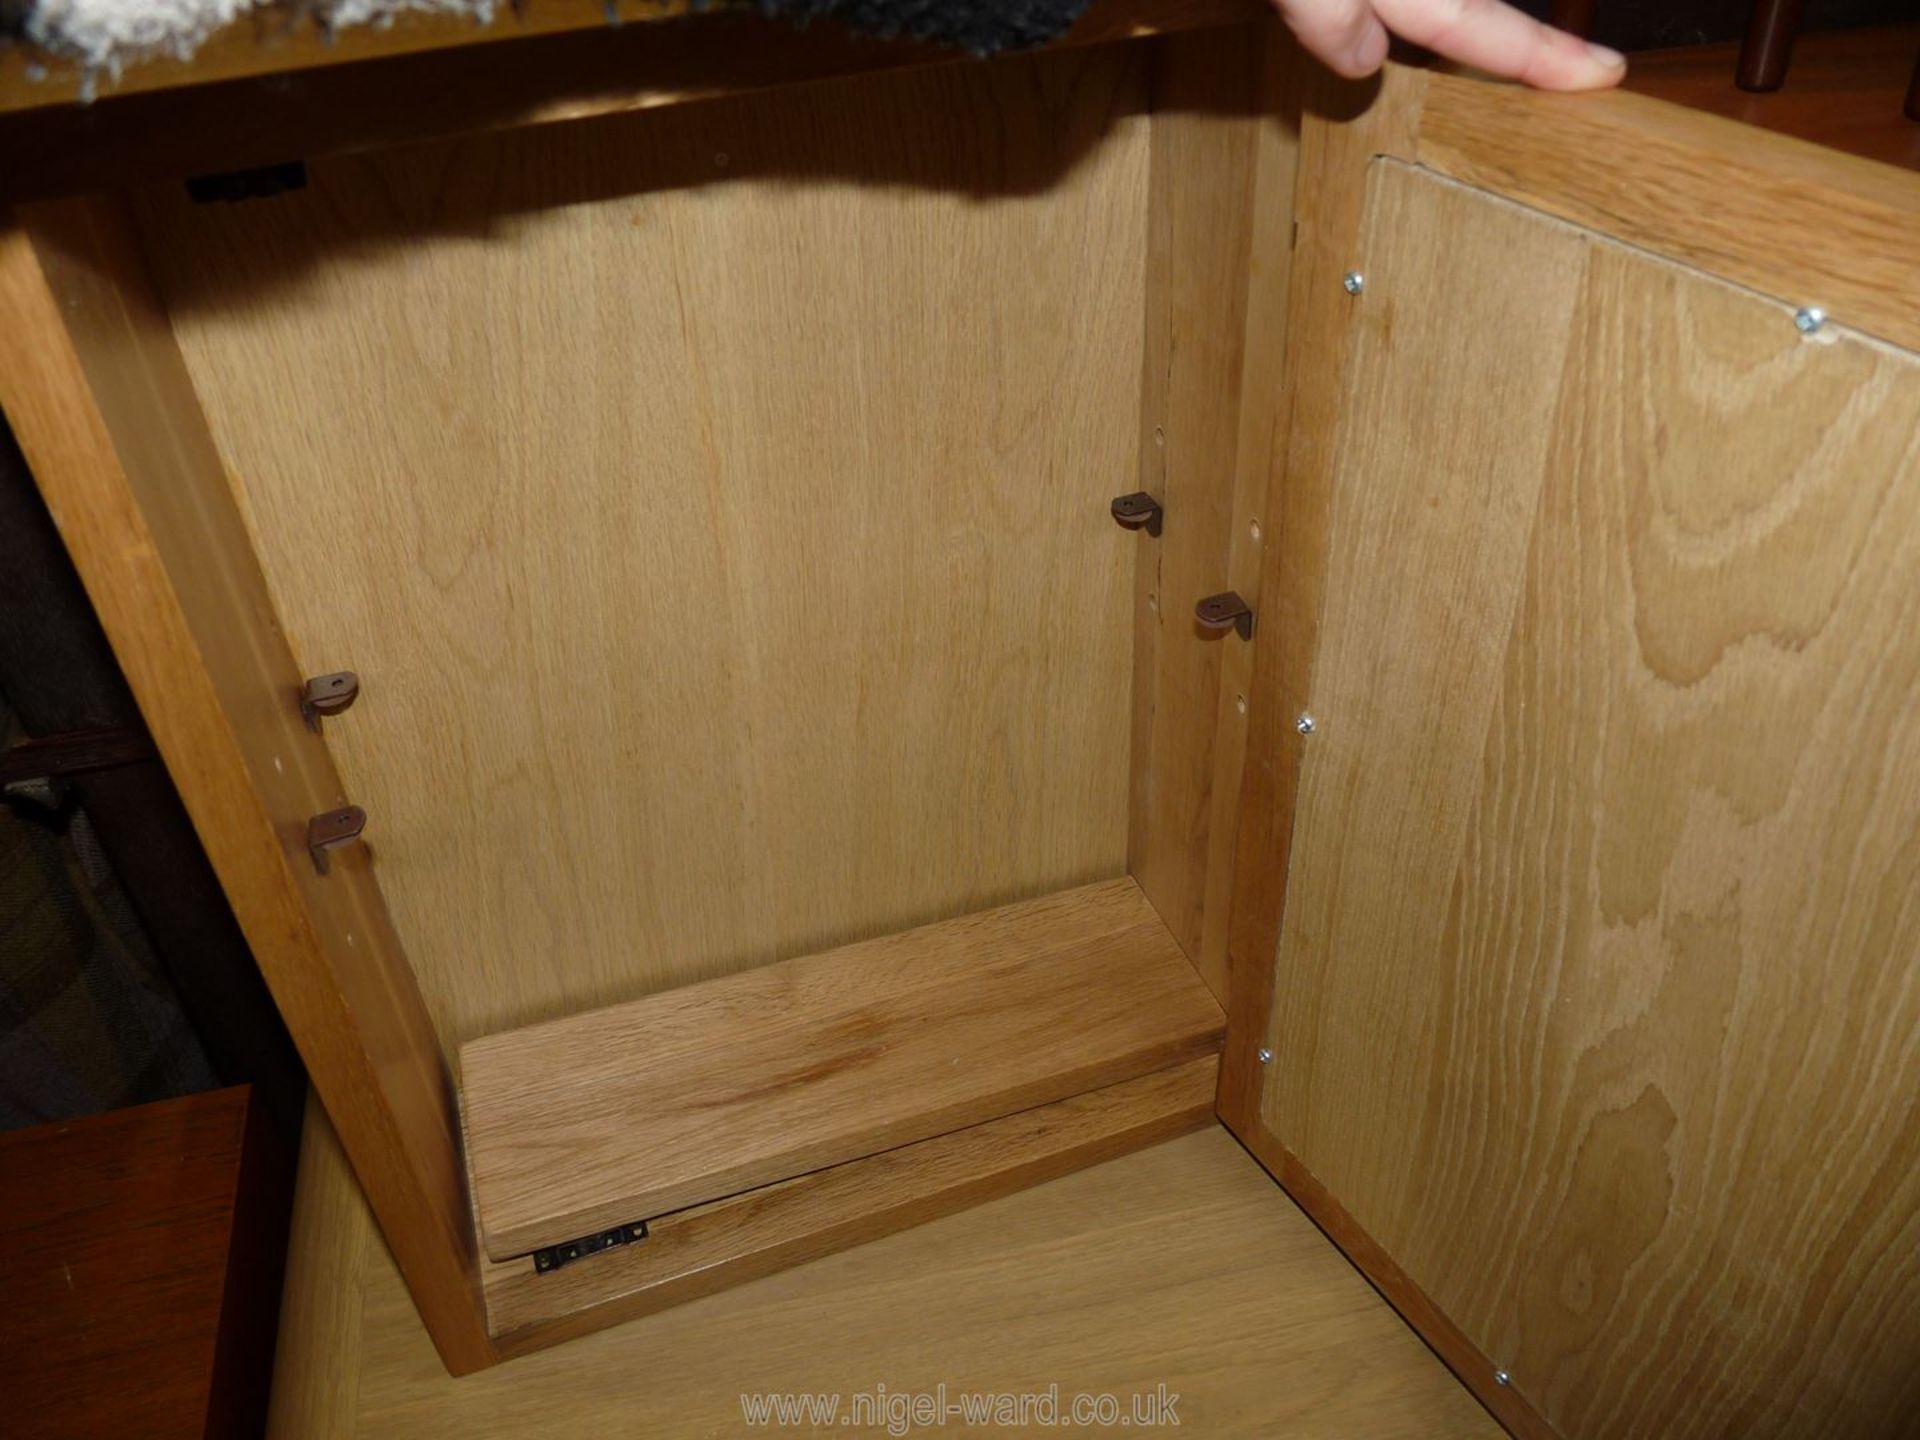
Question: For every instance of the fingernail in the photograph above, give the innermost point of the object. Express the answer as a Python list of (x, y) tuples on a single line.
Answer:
[(1371, 52), (1601, 55)]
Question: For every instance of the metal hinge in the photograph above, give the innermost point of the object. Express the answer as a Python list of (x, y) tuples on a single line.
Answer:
[(568, 1251)]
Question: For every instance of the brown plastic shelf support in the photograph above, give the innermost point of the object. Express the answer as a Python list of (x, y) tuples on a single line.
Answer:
[(333, 829), (1226, 611)]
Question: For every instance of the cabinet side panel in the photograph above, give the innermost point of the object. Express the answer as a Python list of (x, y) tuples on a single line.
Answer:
[(109, 422), (1226, 134)]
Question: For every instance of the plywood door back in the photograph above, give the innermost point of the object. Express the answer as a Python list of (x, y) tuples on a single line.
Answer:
[(714, 506), (1597, 1004)]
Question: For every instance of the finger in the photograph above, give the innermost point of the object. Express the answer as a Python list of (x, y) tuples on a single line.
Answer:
[(1497, 38), (1344, 33)]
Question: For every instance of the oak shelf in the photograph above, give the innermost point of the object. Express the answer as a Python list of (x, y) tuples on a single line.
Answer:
[(709, 1248), (694, 1094)]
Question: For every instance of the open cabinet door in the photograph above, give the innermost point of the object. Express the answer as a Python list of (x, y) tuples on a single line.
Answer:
[(1590, 1022)]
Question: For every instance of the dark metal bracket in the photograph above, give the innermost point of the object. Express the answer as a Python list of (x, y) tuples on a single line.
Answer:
[(1138, 511), (262, 182), (332, 830), (328, 695), (1226, 611), (554, 1256)]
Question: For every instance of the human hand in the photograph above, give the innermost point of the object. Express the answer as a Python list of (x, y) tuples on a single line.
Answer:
[(1351, 37)]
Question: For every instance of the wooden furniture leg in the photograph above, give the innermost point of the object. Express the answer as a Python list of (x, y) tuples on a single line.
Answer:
[(1768, 44), (1575, 17)]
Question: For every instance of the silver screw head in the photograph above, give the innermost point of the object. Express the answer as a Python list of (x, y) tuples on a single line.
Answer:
[(1500, 1377), (1354, 282), (1266, 1056), (1809, 319), (1304, 724)]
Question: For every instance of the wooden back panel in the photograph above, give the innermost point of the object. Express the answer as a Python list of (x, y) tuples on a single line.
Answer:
[(1596, 999), (714, 506)]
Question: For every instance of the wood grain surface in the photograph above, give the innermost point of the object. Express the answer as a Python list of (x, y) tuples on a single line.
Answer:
[(552, 79), (1596, 1005), (626, 1113), (1204, 93), (103, 408), (713, 504), (126, 1242), (317, 1356), (1794, 220), (713, 1247), (289, 48), (1179, 1265), (1343, 125), (1286, 72), (1220, 197), (1844, 89)]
